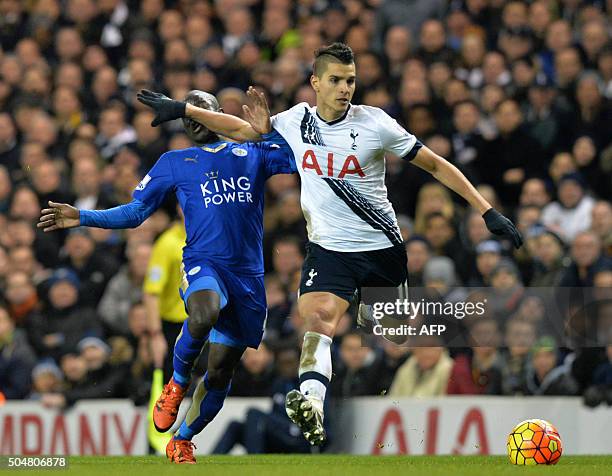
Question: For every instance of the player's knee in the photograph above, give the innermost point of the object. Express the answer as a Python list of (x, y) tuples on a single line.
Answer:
[(219, 378), (319, 316), (203, 315)]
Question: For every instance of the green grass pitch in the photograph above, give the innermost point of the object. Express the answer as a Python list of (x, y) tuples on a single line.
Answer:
[(336, 465)]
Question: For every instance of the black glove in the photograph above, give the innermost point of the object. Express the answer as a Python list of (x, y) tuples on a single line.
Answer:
[(500, 225), (166, 109)]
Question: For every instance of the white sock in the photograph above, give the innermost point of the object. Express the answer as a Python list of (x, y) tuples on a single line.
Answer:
[(316, 359)]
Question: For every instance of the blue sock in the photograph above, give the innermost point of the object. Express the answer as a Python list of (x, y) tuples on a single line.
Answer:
[(206, 403), (186, 350)]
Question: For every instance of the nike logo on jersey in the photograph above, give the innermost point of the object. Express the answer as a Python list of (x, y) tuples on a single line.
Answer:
[(350, 166), (190, 159), (312, 274)]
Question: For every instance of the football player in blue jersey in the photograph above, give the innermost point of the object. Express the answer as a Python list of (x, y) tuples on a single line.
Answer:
[(220, 188)]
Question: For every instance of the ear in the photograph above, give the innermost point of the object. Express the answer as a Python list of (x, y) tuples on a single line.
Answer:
[(314, 82)]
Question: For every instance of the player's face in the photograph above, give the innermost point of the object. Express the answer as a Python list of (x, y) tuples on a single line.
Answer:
[(335, 89)]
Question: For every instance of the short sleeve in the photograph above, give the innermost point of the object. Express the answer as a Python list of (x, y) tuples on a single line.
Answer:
[(277, 155), (282, 121), (153, 188), (395, 139)]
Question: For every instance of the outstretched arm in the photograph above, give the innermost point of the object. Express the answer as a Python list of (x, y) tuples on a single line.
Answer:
[(62, 216), (450, 176), (226, 125)]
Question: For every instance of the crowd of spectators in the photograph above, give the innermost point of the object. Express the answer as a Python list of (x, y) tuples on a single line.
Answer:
[(514, 93)]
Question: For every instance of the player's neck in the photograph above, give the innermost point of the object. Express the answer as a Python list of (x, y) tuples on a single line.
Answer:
[(328, 114)]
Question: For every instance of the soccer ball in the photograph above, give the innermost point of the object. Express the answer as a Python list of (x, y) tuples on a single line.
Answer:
[(534, 442)]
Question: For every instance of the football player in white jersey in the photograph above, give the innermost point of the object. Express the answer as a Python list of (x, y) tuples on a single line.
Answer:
[(354, 239)]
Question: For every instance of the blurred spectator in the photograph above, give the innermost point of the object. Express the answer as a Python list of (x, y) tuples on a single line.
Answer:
[(101, 379), (16, 360), (601, 390), (287, 259), (544, 376), (125, 289), (279, 307), (255, 373), (61, 324), (488, 254), (9, 147), (543, 113), (424, 374), (587, 258), (472, 232), (114, 131), (418, 253), (601, 220), (21, 297), (410, 14), (480, 372), (393, 357), (47, 183), (549, 260), (93, 269), (46, 378), (441, 234), (520, 336), (506, 290), (535, 193), (571, 214), (468, 142), (6, 189), (432, 197), (439, 274), (141, 365), (356, 372), (513, 156), (87, 185), (150, 144), (584, 151)]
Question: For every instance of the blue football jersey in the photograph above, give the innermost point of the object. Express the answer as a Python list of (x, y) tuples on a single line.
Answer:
[(220, 188)]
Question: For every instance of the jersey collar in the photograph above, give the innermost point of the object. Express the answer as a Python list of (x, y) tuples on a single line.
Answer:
[(335, 121)]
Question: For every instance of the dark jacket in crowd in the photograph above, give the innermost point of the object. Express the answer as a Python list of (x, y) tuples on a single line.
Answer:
[(246, 384), (516, 150), (70, 325), (16, 362), (109, 381), (354, 383)]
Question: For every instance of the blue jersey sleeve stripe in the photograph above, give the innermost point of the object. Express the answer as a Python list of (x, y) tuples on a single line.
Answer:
[(129, 215)]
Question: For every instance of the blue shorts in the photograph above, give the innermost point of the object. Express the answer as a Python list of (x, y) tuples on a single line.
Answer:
[(243, 302)]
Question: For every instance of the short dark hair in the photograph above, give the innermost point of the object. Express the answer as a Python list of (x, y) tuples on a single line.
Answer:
[(336, 52)]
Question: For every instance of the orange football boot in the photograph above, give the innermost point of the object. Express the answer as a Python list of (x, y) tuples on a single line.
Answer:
[(167, 405), (180, 451)]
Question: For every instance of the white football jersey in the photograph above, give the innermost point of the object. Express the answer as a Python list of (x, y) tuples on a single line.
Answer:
[(342, 168)]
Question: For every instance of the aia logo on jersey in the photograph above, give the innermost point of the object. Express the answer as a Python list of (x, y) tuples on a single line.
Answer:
[(350, 166)]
